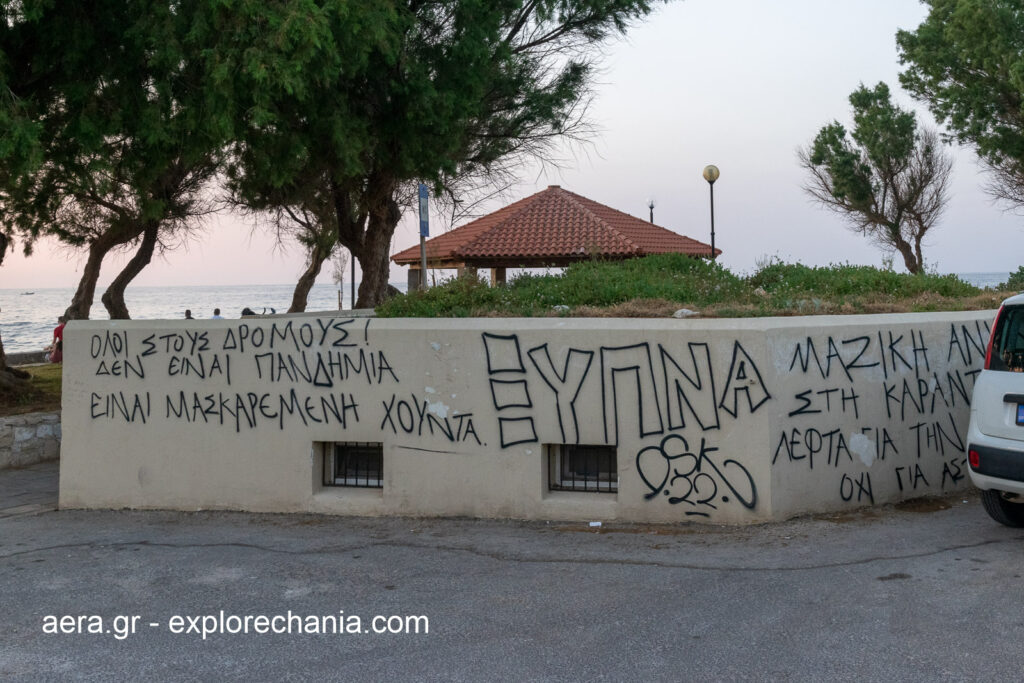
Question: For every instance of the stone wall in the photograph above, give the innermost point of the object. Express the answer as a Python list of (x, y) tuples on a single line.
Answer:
[(29, 439), (729, 421)]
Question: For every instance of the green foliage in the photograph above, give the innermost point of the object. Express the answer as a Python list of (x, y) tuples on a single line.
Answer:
[(886, 178), (116, 131), (774, 289), (41, 392), (793, 280), (966, 62), (389, 94), (1015, 281)]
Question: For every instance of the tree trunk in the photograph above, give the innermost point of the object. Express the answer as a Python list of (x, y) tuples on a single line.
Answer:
[(300, 296), (98, 250), (912, 263), (374, 252), (113, 298), (12, 380)]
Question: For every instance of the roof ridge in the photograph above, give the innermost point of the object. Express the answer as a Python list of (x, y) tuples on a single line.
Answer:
[(524, 203), (575, 198)]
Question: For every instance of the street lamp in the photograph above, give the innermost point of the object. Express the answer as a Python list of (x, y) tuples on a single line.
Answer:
[(711, 175)]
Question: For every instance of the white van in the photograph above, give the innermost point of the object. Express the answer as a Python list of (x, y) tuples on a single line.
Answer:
[(995, 438)]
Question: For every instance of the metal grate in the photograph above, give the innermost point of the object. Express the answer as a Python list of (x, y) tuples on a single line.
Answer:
[(354, 464), (582, 468)]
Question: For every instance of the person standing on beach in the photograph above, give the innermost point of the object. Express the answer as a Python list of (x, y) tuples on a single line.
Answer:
[(188, 314), (57, 347), (216, 315)]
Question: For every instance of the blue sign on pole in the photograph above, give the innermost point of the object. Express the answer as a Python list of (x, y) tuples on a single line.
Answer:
[(424, 217)]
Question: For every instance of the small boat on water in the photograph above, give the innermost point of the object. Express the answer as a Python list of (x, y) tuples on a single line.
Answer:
[(27, 293)]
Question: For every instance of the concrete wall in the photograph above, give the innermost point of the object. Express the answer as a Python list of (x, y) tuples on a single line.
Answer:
[(729, 421), (27, 357), (28, 439)]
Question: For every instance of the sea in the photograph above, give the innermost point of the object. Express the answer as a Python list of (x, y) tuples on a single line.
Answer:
[(27, 318)]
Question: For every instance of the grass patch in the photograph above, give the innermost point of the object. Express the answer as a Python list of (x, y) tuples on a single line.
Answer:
[(656, 286), (42, 395)]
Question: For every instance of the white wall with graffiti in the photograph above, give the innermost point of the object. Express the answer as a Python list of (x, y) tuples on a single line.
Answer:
[(725, 421)]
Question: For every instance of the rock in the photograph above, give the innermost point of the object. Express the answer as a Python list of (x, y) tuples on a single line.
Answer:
[(684, 313), (760, 291), (561, 308)]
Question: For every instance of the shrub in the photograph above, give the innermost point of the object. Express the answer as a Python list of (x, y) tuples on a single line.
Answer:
[(1015, 282)]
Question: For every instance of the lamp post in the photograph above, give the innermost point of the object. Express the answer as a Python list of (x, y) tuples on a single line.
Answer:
[(711, 175)]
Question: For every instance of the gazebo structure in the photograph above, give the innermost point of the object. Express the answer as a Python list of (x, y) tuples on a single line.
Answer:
[(553, 227)]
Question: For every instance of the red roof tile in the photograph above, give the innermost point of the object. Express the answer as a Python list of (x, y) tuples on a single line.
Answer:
[(555, 225)]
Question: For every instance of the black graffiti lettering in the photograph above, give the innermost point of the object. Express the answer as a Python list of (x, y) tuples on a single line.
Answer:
[(698, 383), (882, 440), (566, 385), (382, 366), (681, 476), (413, 415), (633, 361), (361, 369), (746, 378), (283, 333), (122, 368), (129, 407), (881, 350), (956, 386), (851, 398), (503, 353), (108, 344), (861, 486), (953, 472), (388, 407), (401, 417), (200, 366), (918, 476), (938, 437), (291, 405), (894, 353), (306, 335), (855, 364), (464, 428), (833, 353), (914, 477), (971, 343), (920, 350), (804, 409), (200, 341), (915, 397), (836, 446), (804, 355), (340, 327)]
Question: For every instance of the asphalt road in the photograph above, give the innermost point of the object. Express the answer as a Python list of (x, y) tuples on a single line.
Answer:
[(911, 593)]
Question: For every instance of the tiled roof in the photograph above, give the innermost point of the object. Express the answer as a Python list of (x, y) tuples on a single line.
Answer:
[(553, 224)]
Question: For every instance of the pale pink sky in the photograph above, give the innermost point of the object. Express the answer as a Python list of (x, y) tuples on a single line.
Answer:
[(737, 83)]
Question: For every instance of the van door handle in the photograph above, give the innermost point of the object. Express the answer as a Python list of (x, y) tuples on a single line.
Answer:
[(1013, 398)]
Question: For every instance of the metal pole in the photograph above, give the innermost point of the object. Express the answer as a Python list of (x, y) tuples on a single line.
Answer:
[(352, 254), (423, 263), (712, 186)]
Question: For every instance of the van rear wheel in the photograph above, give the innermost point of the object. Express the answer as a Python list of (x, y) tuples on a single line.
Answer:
[(1003, 508)]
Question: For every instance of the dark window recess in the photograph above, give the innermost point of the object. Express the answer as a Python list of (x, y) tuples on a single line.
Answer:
[(1008, 341), (582, 468), (354, 464)]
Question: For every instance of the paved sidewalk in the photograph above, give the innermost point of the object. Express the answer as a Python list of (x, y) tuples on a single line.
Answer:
[(28, 490), (926, 591)]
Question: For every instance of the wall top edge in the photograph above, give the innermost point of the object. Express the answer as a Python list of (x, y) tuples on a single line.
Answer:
[(654, 324)]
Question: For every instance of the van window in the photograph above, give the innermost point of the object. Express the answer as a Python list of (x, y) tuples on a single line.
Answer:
[(1008, 342)]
